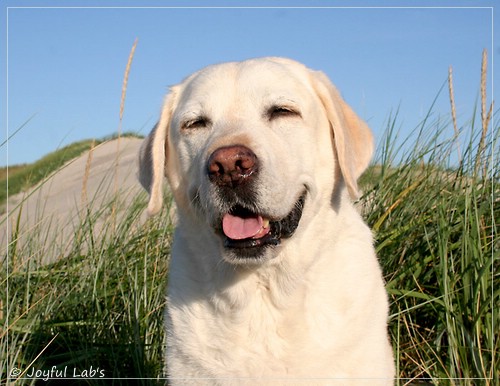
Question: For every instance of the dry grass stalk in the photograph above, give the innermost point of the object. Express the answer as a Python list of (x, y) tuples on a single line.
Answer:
[(122, 108), (485, 116), (124, 93), (125, 79), (84, 198), (453, 109)]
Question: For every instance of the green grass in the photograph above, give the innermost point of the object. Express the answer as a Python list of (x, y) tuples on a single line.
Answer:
[(100, 307), (436, 232), (435, 220)]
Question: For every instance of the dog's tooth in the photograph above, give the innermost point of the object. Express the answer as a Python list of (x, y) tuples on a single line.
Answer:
[(265, 223)]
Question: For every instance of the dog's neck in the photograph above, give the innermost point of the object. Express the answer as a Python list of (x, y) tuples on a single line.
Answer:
[(274, 283)]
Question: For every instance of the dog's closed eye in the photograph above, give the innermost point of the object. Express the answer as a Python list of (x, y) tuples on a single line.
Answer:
[(199, 122), (280, 111), (196, 123)]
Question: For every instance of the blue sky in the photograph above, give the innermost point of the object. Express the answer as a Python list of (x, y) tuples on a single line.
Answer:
[(64, 67)]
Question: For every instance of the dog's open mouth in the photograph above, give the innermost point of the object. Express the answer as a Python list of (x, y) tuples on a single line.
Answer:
[(245, 229)]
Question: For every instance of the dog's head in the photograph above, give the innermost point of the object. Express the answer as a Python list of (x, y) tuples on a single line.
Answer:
[(250, 147)]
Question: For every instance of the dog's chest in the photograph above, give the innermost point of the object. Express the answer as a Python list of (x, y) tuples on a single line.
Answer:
[(245, 333)]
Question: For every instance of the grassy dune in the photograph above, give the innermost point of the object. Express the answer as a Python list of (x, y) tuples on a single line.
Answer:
[(22, 177), (434, 211)]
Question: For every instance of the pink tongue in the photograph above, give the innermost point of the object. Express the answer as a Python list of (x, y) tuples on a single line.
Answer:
[(238, 228)]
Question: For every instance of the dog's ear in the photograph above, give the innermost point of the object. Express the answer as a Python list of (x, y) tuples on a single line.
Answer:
[(353, 139), (153, 157)]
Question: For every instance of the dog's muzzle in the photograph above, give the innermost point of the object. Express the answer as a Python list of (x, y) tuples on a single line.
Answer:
[(247, 232)]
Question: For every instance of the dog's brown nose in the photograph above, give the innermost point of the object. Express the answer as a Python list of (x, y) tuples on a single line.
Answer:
[(232, 166)]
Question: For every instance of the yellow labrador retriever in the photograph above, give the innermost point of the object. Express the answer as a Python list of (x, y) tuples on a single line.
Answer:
[(273, 276)]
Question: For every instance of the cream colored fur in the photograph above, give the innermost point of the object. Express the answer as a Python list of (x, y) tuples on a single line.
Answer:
[(314, 310)]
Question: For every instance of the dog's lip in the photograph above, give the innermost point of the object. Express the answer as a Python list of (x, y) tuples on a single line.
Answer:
[(271, 234)]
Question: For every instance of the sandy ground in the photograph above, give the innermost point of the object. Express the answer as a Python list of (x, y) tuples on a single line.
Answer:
[(50, 213)]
